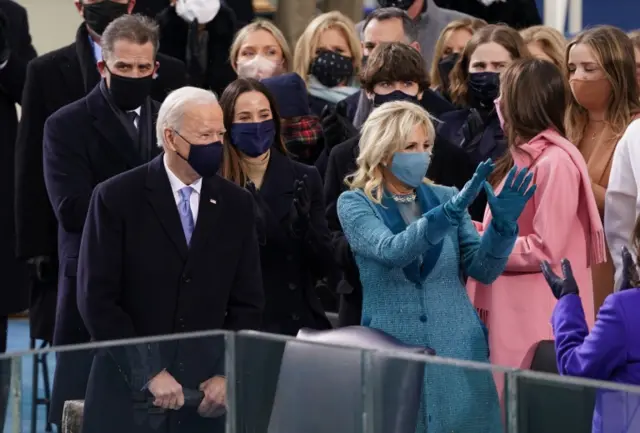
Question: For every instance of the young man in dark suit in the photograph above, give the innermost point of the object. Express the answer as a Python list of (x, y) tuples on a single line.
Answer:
[(15, 52), (109, 131), (54, 80), (168, 247)]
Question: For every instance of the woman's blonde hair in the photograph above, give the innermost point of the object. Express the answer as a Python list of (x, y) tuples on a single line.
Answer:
[(386, 131), (552, 42), (469, 24), (307, 45), (502, 35), (255, 26), (635, 38), (614, 53)]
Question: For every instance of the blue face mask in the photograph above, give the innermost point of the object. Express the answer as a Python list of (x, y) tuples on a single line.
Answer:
[(253, 139), (396, 95), (204, 158), (410, 167)]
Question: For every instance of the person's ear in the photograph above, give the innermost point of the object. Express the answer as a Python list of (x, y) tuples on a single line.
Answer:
[(370, 95), (172, 2), (132, 4), (155, 70), (420, 95), (78, 4), (168, 139), (415, 45), (102, 69)]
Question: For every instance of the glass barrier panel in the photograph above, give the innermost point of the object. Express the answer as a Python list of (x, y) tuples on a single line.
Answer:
[(144, 385), (551, 403), (286, 385), (420, 393), (10, 408)]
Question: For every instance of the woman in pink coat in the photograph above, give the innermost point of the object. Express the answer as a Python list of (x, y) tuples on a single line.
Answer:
[(561, 220)]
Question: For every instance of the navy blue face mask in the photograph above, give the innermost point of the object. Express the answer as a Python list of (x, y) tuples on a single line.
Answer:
[(484, 88), (396, 95), (203, 158), (401, 4), (253, 139)]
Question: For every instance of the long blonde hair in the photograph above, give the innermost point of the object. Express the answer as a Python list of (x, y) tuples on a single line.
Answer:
[(614, 53), (552, 42), (469, 24), (308, 42), (386, 131), (255, 26)]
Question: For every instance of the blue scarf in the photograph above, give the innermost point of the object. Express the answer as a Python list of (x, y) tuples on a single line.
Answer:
[(330, 94), (416, 272)]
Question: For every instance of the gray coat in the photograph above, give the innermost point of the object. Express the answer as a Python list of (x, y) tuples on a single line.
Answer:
[(431, 23)]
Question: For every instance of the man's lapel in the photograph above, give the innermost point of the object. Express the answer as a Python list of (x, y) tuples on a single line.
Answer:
[(161, 198)]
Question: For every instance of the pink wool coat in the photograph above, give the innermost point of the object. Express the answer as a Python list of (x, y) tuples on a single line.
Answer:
[(517, 307)]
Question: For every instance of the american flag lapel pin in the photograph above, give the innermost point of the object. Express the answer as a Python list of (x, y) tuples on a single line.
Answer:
[(212, 201)]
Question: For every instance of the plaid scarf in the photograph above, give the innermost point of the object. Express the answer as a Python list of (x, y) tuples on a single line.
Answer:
[(301, 135)]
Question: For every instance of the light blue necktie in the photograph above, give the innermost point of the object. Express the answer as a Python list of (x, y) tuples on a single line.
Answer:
[(184, 208)]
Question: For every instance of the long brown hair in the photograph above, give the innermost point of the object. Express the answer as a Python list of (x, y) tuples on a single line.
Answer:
[(471, 25), (614, 53), (231, 165), (500, 34), (543, 87)]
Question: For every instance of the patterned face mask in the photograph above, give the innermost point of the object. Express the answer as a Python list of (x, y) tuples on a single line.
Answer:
[(331, 68)]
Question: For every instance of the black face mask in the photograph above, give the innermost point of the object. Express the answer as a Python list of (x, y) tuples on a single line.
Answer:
[(129, 93), (445, 66), (484, 88), (99, 15), (400, 4), (331, 68), (396, 95)]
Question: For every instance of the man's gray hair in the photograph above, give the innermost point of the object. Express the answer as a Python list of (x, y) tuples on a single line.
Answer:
[(136, 28), (382, 14), (173, 108)]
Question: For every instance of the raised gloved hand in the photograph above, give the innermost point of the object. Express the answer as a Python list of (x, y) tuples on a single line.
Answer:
[(457, 206), (630, 278), (261, 213), (301, 207), (5, 50), (507, 206), (560, 286), (335, 126)]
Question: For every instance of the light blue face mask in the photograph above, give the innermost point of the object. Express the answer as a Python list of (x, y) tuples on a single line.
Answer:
[(410, 167)]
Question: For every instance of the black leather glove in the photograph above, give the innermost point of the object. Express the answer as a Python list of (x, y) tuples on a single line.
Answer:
[(42, 268), (630, 278), (5, 50), (261, 213), (301, 207), (335, 125), (560, 286)]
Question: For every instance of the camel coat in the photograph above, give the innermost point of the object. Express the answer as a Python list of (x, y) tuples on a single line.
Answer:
[(598, 154)]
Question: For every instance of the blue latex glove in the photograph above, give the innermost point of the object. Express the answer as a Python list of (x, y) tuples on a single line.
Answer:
[(507, 206), (457, 205)]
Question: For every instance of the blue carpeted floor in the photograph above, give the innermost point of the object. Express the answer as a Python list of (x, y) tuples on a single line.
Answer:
[(19, 340)]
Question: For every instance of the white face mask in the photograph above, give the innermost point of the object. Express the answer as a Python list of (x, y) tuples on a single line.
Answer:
[(259, 67), (204, 11)]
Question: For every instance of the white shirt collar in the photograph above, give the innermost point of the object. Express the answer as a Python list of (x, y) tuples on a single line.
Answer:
[(97, 49), (137, 111), (177, 184)]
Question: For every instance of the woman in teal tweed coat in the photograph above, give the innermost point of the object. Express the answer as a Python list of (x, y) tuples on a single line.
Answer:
[(414, 244)]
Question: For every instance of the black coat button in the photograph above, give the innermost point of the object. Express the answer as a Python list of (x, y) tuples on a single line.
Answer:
[(423, 318), (295, 317), (292, 286)]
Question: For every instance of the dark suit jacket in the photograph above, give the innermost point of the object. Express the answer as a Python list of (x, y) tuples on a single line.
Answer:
[(174, 37), (291, 264), (450, 166), (85, 143), (13, 290), (518, 14), (53, 81), (137, 277)]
